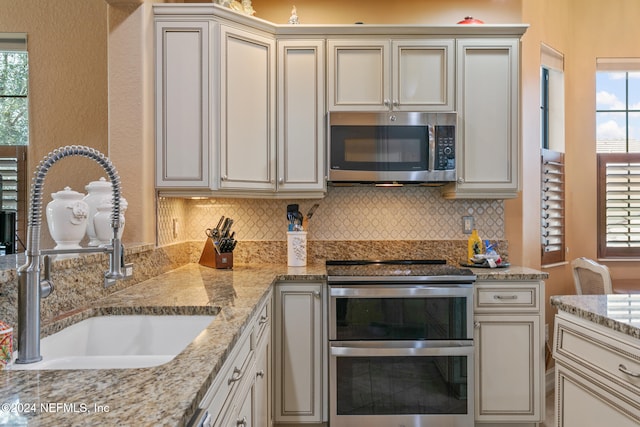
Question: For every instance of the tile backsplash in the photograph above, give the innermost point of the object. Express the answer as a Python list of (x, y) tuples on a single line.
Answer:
[(345, 213)]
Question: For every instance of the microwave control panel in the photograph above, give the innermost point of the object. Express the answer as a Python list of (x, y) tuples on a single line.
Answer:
[(445, 148)]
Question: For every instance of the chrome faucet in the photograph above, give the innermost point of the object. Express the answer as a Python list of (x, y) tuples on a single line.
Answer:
[(30, 286)]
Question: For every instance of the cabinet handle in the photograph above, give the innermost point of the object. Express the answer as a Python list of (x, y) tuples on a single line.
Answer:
[(236, 376), (242, 422), (260, 373), (505, 297), (624, 370), (476, 325), (316, 294), (263, 320)]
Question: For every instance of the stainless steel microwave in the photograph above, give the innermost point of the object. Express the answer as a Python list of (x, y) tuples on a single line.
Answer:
[(391, 147)]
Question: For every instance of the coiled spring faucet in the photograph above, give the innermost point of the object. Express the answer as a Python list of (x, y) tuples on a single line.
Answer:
[(31, 288)]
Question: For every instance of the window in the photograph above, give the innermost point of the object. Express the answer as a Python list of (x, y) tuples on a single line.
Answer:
[(618, 153), (552, 203), (14, 138)]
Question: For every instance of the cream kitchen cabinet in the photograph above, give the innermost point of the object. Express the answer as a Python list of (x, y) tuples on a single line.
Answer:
[(183, 105), (300, 353), (488, 136), (240, 393), (301, 112), (509, 342), (597, 372), (247, 110), (381, 74)]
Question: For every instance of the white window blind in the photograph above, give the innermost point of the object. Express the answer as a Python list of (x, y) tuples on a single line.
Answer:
[(553, 205), (619, 203)]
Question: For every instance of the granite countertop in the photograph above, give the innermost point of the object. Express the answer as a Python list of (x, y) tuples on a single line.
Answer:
[(167, 394), (620, 312)]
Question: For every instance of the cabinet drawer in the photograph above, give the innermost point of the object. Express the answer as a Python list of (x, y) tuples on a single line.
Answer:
[(506, 298), (600, 351), (230, 376)]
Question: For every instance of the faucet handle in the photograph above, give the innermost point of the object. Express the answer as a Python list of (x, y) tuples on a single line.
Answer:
[(46, 284)]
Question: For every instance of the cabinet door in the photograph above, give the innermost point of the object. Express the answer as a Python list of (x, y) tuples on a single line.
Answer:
[(182, 104), (247, 111), (508, 372), (581, 402), (301, 108), (299, 353), (488, 136), (423, 75), (358, 75), (262, 389)]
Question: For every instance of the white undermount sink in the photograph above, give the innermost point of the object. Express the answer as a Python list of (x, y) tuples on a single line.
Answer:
[(118, 342)]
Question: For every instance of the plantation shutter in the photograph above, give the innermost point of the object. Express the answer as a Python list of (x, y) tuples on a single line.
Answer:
[(552, 204)]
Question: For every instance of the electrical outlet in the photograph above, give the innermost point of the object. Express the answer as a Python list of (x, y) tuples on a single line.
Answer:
[(468, 224)]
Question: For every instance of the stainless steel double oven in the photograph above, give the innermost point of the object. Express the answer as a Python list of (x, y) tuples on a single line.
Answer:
[(401, 344)]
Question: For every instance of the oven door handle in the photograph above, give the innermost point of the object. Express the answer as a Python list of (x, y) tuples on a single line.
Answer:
[(400, 291), (400, 348)]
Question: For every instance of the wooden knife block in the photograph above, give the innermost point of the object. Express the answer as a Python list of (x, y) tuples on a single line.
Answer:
[(211, 258)]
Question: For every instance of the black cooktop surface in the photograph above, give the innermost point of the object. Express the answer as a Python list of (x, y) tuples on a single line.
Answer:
[(395, 268)]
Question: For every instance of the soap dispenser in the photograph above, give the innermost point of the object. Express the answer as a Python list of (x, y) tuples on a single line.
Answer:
[(474, 245)]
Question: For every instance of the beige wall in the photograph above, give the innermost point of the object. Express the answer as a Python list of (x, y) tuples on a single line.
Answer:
[(438, 12), (67, 44)]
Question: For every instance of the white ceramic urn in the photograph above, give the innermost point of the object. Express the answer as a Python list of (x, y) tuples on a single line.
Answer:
[(102, 221), (98, 192), (67, 217)]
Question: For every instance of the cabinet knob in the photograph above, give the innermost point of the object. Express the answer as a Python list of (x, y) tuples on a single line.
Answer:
[(263, 320), (460, 180), (476, 325), (396, 103), (242, 422), (281, 181), (260, 373), (316, 294), (386, 102), (223, 177)]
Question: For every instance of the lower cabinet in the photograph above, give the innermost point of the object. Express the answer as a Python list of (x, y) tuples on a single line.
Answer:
[(597, 374), (509, 342), (300, 368), (240, 394)]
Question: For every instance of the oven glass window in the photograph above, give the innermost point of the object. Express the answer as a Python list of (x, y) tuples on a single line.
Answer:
[(401, 318), (370, 148), (401, 385)]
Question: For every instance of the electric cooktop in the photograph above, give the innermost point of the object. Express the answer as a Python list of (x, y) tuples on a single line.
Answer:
[(413, 269)]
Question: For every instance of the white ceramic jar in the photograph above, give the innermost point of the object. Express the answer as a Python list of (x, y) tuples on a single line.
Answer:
[(67, 217), (97, 193), (102, 221)]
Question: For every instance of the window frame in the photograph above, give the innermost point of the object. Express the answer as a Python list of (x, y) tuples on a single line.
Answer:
[(613, 65)]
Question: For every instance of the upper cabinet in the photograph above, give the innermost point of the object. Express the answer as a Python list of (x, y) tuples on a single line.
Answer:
[(383, 75), (301, 112), (183, 116), (247, 110), (488, 108), (241, 103)]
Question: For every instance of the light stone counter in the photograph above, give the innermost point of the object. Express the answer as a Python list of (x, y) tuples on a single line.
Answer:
[(166, 395), (620, 312)]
